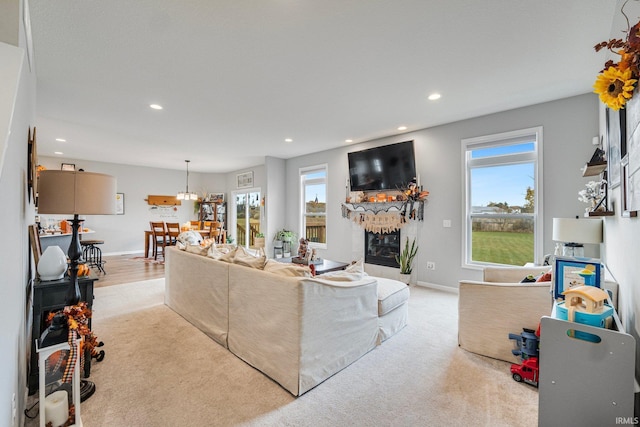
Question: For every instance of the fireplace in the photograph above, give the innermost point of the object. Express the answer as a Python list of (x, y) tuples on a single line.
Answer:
[(382, 248)]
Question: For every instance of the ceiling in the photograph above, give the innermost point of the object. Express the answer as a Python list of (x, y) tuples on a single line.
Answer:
[(237, 77)]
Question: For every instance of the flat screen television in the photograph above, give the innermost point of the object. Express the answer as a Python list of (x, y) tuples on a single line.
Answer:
[(389, 167)]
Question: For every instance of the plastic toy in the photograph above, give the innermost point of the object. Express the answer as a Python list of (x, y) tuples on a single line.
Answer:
[(528, 371), (528, 350), (527, 343)]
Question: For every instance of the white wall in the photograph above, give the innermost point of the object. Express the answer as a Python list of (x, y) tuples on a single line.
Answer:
[(569, 127), (16, 88), (125, 233)]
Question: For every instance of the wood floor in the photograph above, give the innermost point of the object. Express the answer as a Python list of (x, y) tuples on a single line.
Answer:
[(127, 268)]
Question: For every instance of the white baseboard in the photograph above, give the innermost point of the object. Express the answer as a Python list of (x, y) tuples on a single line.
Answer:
[(122, 253), (438, 287)]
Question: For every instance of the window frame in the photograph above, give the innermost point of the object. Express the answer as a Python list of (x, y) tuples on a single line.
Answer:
[(535, 135), (232, 222), (303, 172)]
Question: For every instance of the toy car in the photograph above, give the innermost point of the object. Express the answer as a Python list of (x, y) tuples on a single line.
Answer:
[(528, 371)]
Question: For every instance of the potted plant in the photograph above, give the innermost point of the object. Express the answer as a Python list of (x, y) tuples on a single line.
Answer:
[(258, 240), (283, 239), (406, 260)]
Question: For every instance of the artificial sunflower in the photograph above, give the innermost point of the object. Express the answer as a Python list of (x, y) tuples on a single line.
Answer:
[(615, 87)]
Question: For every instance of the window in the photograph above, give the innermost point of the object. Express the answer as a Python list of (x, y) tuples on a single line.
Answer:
[(247, 216), (503, 195), (313, 194)]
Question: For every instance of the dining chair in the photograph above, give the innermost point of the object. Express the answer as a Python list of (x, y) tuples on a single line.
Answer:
[(215, 231), (159, 238), (195, 225), (173, 231)]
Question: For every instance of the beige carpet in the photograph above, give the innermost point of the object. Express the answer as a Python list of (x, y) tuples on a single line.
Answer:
[(159, 370)]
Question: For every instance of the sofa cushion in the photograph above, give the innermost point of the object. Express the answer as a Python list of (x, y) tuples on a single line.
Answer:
[(216, 251), (391, 294), (291, 270), (243, 257), (229, 256)]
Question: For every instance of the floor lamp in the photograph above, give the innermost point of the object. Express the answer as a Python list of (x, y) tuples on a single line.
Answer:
[(75, 193)]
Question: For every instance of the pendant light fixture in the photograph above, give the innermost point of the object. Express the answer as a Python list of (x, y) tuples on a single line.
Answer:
[(186, 195)]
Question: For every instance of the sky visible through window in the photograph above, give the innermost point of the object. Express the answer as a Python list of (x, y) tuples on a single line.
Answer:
[(506, 183)]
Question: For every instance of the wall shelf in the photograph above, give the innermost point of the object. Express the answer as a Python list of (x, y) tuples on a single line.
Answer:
[(592, 169)]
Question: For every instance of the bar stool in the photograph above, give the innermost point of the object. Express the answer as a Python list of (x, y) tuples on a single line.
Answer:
[(92, 254)]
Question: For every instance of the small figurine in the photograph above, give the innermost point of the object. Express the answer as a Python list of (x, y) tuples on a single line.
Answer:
[(302, 249)]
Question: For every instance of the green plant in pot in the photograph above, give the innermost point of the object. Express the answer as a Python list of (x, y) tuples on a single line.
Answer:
[(406, 258), (286, 237)]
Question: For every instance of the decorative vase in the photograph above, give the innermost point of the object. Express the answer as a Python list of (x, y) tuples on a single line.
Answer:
[(52, 264)]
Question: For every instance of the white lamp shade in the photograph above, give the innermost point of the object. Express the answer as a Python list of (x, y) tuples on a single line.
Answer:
[(76, 192), (574, 230)]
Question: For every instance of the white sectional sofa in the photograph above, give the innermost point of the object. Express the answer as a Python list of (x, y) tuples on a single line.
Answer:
[(297, 330)]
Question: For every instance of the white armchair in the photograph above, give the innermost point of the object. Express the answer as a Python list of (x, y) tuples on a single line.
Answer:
[(489, 310)]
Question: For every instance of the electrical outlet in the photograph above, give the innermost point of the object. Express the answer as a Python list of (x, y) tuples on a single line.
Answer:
[(431, 265)]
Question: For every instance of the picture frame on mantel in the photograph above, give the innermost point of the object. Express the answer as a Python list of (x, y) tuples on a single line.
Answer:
[(244, 180)]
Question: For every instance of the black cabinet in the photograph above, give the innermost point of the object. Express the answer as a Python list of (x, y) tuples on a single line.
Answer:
[(50, 296)]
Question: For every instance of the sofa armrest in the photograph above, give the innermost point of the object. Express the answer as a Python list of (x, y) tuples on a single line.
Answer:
[(488, 312)]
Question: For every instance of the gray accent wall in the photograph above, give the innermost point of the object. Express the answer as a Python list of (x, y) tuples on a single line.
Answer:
[(569, 126)]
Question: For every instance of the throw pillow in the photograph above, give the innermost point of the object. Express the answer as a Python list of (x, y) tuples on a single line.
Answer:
[(546, 277), (189, 238), (244, 257), (290, 270), (216, 251), (229, 256), (196, 249), (356, 267)]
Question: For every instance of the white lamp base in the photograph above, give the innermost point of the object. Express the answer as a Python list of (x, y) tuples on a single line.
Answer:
[(573, 250)]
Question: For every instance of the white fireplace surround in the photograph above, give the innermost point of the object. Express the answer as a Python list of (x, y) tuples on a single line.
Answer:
[(410, 230)]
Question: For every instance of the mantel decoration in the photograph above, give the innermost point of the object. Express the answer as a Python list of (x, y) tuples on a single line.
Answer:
[(387, 214), (617, 81)]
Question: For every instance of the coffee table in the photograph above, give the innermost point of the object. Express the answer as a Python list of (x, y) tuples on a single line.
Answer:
[(325, 266)]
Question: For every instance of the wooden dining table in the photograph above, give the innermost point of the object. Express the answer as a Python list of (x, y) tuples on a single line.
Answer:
[(148, 239)]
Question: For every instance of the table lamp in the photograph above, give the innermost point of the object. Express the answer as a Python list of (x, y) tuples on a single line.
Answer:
[(575, 232), (75, 193)]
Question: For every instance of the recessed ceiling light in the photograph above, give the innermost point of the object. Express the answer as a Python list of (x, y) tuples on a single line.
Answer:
[(434, 96), (61, 140), (288, 140), (348, 140), (155, 106), (402, 128), (58, 152)]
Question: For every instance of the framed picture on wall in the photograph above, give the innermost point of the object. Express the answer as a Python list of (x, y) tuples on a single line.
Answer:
[(614, 137), (68, 167), (119, 203), (244, 180)]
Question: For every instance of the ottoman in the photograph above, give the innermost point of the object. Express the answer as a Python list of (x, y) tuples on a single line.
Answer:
[(393, 307)]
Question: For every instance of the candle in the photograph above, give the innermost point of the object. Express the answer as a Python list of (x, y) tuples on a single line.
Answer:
[(56, 408)]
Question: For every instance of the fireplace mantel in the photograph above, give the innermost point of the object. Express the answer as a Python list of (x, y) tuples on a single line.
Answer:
[(383, 217), (375, 208)]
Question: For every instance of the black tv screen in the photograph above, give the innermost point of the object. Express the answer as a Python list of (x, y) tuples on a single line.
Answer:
[(389, 167)]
